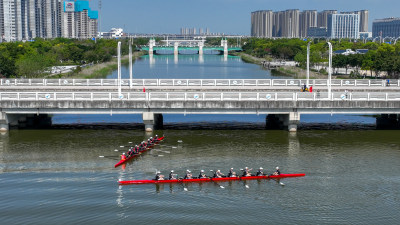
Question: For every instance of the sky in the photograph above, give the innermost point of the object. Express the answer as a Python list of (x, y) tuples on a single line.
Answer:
[(220, 16)]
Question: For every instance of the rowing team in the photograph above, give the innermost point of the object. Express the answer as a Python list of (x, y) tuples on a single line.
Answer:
[(138, 148), (216, 174)]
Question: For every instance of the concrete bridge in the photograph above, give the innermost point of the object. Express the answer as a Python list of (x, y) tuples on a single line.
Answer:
[(280, 101), (195, 45)]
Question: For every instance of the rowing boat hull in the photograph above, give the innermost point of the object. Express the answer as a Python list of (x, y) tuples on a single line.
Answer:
[(136, 155), (211, 179)]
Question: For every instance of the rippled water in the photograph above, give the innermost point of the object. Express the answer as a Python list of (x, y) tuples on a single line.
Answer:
[(51, 176)]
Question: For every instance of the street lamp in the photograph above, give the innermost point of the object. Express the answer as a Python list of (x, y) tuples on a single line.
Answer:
[(130, 63), (119, 70), (308, 63), (330, 71)]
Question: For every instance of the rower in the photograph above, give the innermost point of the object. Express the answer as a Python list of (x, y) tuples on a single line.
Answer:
[(188, 175), (156, 137), (148, 142), (218, 174), (202, 174), (159, 176), (231, 173), (172, 176), (260, 172), (246, 172), (130, 151), (277, 172), (123, 156), (136, 150)]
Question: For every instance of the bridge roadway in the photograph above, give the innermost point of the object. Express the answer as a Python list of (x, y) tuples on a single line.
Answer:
[(21, 100)]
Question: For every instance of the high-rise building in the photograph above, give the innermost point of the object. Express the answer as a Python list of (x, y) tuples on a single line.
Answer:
[(344, 26), (322, 18), (27, 19), (308, 18), (364, 18), (78, 20), (388, 27), (363, 14), (10, 22), (261, 25), (290, 23)]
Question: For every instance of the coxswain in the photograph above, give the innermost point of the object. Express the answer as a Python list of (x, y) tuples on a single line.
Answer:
[(172, 176), (218, 174), (277, 172), (202, 174), (159, 176), (246, 172), (123, 156), (260, 172), (188, 175), (231, 173)]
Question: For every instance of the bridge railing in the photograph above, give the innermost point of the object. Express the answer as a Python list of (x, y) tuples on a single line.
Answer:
[(195, 82), (199, 96)]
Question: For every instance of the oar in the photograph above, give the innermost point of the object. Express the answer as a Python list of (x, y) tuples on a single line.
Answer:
[(168, 146), (247, 186), (215, 181), (109, 157)]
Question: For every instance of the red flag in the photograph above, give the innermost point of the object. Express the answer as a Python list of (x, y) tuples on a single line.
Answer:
[(144, 89)]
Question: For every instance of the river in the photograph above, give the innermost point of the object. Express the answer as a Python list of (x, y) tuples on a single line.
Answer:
[(56, 176)]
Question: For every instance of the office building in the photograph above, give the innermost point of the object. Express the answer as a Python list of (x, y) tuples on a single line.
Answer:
[(388, 27), (344, 26), (317, 32)]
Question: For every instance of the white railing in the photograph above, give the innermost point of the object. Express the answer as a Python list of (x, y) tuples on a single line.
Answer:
[(199, 96), (196, 82)]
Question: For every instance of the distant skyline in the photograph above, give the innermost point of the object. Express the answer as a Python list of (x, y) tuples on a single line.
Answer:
[(223, 16)]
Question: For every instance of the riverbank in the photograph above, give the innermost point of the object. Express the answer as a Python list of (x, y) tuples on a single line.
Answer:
[(103, 69), (293, 71)]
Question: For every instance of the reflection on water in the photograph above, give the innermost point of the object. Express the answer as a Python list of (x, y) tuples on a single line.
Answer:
[(194, 67), (351, 177)]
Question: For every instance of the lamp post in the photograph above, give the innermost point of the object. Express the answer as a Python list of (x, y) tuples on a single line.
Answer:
[(119, 70), (130, 64), (330, 71), (308, 63)]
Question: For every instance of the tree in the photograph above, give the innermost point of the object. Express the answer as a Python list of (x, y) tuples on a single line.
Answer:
[(31, 66)]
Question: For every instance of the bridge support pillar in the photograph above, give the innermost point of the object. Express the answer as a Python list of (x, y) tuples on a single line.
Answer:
[(283, 121), (152, 121), (201, 45), (293, 121), (4, 126), (224, 43), (176, 46), (152, 43)]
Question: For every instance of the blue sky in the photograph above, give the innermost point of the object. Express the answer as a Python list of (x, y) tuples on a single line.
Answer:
[(224, 16)]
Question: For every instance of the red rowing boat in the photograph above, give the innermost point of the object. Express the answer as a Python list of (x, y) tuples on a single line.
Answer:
[(211, 179), (136, 155)]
